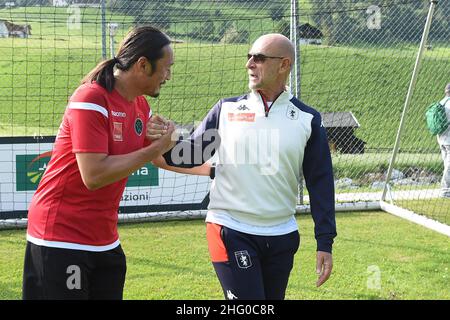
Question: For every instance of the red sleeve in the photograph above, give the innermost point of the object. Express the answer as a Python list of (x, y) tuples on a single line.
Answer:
[(88, 121)]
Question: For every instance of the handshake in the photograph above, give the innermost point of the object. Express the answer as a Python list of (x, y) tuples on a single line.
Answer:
[(161, 133)]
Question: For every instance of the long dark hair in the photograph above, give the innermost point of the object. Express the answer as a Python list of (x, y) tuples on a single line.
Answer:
[(144, 41)]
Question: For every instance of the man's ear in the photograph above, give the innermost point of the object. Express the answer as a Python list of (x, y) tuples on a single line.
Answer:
[(285, 65), (142, 64)]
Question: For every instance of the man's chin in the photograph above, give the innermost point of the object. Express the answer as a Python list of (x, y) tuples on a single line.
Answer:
[(253, 86)]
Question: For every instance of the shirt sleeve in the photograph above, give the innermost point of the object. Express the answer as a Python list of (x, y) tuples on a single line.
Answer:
[(318, 173), (88, 122), (201, 144)]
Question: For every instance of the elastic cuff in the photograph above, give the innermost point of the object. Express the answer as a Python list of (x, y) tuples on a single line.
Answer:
[(324, 246)]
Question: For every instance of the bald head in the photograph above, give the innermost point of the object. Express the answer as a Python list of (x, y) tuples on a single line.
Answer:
[(275, 44), (269, 63)]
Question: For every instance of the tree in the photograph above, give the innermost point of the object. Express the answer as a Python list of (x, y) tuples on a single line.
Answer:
[(284, 27), (233, 35), (348, 21), (204, 31), (185, 2), (224, 26), (276, 12), (155, 14), (130, 7)]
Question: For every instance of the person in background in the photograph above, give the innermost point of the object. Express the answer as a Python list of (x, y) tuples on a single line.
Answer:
[(444, 143)]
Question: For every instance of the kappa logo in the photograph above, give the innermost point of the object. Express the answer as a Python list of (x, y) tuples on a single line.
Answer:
[(243, 107), (118, 114), (292, 113), (243, 259), (230, 295)]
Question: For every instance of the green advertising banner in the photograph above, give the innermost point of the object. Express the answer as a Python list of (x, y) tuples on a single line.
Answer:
[(29, 170), (31, 167), (147, 176)]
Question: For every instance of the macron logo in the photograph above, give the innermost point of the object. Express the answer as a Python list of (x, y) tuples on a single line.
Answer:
[(118, 114)]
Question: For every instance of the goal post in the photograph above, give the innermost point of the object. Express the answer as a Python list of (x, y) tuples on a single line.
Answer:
[(418, 204)]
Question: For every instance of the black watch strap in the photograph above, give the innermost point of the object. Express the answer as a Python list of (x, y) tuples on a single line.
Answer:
[(212, 172)]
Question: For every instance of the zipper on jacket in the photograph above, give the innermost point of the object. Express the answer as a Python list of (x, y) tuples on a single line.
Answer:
[(266, 107)]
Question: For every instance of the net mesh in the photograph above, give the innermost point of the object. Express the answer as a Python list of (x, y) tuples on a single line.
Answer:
[(355, 64)]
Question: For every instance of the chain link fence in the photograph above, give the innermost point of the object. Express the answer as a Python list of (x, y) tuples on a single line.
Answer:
[(355, 63), (359, 77)]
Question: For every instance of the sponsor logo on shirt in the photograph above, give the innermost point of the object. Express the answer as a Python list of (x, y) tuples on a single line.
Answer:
[(243, 117), (118, 114), (117, 131)]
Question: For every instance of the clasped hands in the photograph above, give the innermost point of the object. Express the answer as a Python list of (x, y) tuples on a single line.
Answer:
[(160, 131)]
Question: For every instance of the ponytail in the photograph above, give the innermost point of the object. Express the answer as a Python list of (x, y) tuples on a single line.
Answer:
[(103, 74)]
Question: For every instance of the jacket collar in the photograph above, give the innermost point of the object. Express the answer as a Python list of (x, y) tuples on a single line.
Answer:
[(283, 98)]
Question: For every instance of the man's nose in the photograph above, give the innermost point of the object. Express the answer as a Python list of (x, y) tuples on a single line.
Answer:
[(250, 64)]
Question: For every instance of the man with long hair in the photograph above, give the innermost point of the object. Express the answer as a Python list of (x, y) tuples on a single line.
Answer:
[(73, 249)]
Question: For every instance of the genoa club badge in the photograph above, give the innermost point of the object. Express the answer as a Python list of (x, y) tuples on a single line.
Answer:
[(243, 259)]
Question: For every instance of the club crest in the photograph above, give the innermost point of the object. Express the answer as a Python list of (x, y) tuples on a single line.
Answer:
[(138, 126), (243, 259), (292, 113)]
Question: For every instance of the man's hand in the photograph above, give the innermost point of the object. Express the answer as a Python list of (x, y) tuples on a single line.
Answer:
[(166, 141), (157, 126), (324, 265)]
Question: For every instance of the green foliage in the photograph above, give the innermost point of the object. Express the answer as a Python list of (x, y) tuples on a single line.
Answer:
[(127, 6), (40, 73), (355, 166), (205, 31), (347, 22), (153, 14), (276, 12), (284, 27), (233, 35), (372, 82), (224, 26)]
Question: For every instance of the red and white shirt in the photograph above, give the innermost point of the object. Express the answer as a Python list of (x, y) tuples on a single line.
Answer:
[(63, 212)]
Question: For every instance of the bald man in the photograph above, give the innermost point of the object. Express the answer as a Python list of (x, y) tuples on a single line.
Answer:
[(263, 141)]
